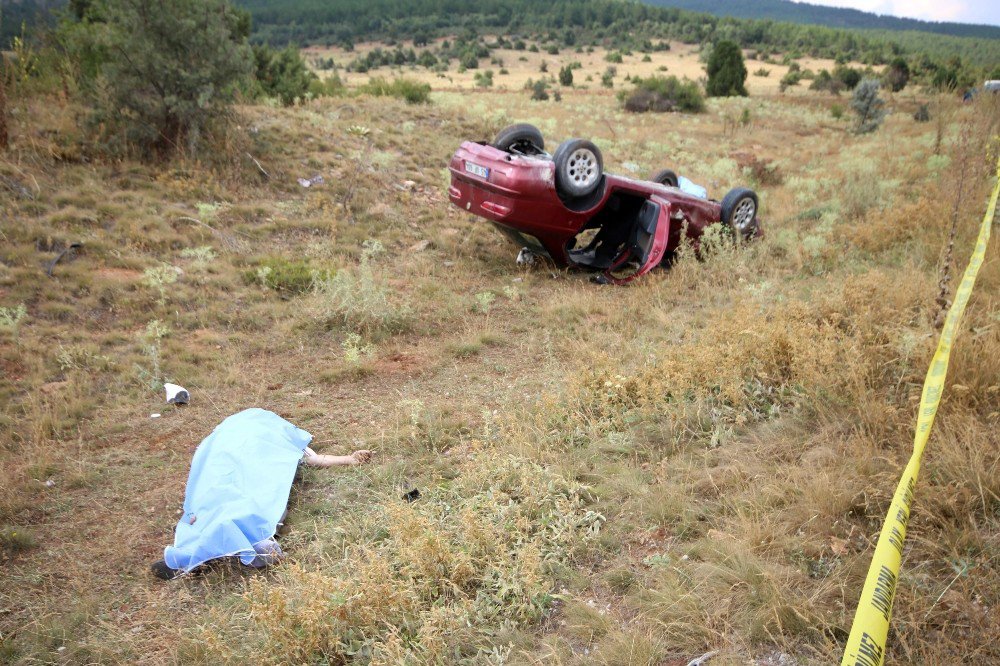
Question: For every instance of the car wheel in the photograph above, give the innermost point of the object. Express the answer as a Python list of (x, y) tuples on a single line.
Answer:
[(666, 177), (579, 168), (739, 212), (521, 138)]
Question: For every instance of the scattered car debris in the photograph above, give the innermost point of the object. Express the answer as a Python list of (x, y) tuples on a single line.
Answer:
[(700, 661), (176, 395), (526, 257), (564, 206), (154, 416), (309, 182)]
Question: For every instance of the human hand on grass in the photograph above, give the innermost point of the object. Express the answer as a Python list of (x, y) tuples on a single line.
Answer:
[(362, 456)]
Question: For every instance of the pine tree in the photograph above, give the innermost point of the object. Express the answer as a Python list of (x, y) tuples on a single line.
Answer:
[(727, 74), (868, 105), (167, 70)]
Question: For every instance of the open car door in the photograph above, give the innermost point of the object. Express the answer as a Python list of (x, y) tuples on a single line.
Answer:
[(646, 244)]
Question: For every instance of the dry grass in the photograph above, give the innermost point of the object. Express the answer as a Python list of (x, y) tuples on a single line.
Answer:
[(620, 476)]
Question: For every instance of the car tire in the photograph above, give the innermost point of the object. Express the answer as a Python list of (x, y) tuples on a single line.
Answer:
[(522, 138), (579, 168), (666, 177), (739, 212)]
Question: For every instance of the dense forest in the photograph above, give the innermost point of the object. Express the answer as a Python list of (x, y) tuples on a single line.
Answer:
[(831, 17)]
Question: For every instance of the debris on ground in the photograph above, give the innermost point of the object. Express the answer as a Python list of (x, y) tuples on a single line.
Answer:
[(176, 395), (526, 257), (309, 182)]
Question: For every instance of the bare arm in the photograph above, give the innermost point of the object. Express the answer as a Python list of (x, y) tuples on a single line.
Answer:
[(314, 459)]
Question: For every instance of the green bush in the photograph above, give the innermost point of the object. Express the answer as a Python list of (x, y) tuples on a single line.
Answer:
[(159, 80), (790, 79), (539, 89), (331, 86), (566, 76), (412, 91), (727, 74), (659, 93), (288, 277), (282, 74)]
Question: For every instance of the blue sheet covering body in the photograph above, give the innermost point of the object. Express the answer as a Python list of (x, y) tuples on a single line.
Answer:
[(238, 488)]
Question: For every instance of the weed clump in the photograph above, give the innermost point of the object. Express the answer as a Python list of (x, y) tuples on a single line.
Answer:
[(360, 299), (413, 92), (288, 277), (14, 540), (660, 94)]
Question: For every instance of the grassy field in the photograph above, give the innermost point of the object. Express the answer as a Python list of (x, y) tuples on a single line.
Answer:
[(609, 475), (512, 69)]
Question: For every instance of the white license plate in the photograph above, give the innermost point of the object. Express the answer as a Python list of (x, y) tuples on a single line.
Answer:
[(480, 171)]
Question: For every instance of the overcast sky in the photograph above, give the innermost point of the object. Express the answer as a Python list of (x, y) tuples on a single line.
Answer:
[(961, 11)]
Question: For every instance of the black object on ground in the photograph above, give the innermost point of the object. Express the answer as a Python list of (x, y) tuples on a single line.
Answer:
[(162, 571), (412, 496), (72, 246)]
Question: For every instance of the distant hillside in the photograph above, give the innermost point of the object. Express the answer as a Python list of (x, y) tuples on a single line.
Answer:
[(17, 13), (612, 23), (832, 17), (618, 24)]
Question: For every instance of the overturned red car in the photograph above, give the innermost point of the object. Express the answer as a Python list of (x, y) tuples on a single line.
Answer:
[(564, 206)]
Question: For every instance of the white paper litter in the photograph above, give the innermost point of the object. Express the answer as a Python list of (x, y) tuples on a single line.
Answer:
[(176, 395)]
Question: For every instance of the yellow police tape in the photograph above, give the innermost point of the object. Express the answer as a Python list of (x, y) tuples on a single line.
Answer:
[(866, 644)]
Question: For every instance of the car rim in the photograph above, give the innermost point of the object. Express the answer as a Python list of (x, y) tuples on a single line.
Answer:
[(744, 214), (582, 168)]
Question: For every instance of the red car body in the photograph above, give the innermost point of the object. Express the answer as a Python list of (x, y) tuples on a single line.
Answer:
[(518, 194)]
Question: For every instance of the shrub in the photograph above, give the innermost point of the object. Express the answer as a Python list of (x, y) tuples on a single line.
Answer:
[(727, 74), (331, 86), (608, 77), (484, 79), (826, 81), (539, 89), (361, 300), (412, 91), (868, 106), (287, 277), (762, 172), (185, 61), (282, 74), (922, 114), (762, 72), (790, 79), (658, 93), (897, 74), (614, 57), (566, 76), (849, 76)]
